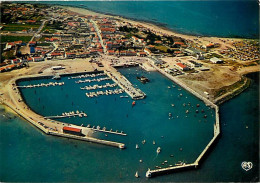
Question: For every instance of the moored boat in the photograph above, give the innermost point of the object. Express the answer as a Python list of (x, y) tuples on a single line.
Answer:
[(158, 150), (136, 174)]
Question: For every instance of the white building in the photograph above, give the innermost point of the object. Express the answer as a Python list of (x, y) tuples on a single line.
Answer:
[(216, 60)]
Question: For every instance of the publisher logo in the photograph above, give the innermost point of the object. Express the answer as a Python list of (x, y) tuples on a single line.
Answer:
[(247, 165)]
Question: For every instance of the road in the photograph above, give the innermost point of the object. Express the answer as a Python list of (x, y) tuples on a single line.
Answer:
[(100, 37)]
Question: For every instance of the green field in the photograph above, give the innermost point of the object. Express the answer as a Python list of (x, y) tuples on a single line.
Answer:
[(161, 48), (15, 38), (19, 27)]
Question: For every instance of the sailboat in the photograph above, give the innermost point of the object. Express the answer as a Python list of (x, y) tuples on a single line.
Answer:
[(136, 174)]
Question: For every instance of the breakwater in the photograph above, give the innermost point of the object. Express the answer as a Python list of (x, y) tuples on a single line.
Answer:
[(118, 78)]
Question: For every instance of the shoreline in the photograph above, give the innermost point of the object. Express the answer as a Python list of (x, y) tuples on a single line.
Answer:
[(150, 25), (148, 22)]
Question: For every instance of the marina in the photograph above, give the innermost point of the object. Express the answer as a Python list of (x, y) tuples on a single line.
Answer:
[(96, 127), (150, 90)]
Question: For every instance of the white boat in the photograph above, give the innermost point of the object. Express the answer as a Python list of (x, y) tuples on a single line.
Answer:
[(158, 150), (136, 174), (153, 142), (124, 96), (137, 146), (143, 142)]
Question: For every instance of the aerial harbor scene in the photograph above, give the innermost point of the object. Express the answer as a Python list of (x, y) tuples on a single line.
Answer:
[(129, 91)]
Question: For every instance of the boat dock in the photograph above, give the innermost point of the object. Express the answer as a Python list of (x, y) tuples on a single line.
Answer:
[(110, 131), (92, 80), (68, 115), (118, 78), (43, 85), (107, 92)]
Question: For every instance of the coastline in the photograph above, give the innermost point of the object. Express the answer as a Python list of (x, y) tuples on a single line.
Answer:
[(153, 23), (150, 25)]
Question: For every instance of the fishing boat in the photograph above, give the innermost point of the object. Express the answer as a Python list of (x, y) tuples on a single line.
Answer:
[(136, 174), (158, 150), (143, 79), (133, 103), (124, 96), (137, 146)]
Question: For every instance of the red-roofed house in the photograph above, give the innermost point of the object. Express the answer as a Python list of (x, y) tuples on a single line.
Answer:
[(38, 59), (70, 55), (111, 52), (182, 66), (32, 43), (141, 54)]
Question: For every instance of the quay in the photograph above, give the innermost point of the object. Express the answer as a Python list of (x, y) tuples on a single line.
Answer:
[(118, 78), (216, 133)]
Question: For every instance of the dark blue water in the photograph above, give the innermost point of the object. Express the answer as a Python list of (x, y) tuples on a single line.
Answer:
[(25, 151), (208, 18)]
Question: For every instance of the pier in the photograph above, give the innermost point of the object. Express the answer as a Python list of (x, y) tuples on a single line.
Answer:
[(118, 78), (111, 132), (94, 87), (107, 92), (92, 80), (43, 85), (68, 115)]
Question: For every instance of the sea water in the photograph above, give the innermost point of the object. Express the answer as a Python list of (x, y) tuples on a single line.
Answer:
[(204, 18), (27, 154), (183, 135)]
